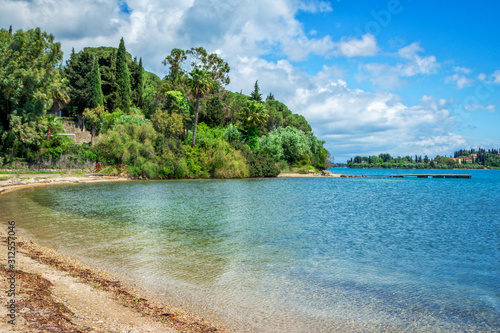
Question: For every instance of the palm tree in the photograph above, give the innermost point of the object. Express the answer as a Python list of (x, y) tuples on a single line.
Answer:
[(54, 125), (253, 116), (199, 84)]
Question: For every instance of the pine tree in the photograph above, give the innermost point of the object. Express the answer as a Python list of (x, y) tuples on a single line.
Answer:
[(256, 95), (95, 96), (122, 78), (270, 97)]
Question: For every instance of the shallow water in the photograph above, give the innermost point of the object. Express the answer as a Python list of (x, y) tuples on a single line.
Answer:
[(291, 254)]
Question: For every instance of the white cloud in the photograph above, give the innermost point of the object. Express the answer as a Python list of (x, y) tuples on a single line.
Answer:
[(496, 76), (366, 46), (391, 76), (460, 80), (416, 64), (476, 107), (462, 69), (313, 6)]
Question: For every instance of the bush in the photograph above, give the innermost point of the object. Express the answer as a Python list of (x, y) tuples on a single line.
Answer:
[(260, 164), (133, 145)]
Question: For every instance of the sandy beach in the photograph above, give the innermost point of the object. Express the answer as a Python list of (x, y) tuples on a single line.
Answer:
[(56, 293)]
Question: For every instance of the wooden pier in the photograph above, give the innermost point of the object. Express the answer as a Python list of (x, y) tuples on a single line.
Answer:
[(459, 176)]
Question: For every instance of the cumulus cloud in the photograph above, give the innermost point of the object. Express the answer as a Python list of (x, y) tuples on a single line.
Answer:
[(416, 64), (315, 6), (460, 77), (460, 80), (366, 46), (477, 107), (391, 76), (496, 76)]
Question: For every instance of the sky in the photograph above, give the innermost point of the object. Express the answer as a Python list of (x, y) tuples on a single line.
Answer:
[(403, 77)]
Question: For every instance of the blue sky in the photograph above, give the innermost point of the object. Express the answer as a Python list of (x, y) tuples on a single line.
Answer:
[(404, 77)]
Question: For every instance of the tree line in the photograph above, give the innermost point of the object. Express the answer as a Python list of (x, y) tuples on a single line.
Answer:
[(186, 124), (463, 158)]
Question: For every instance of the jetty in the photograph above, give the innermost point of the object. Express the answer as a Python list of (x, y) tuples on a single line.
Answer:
[(459, 176)]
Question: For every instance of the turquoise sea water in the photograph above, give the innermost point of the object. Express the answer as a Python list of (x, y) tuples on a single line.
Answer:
[(291, 254)]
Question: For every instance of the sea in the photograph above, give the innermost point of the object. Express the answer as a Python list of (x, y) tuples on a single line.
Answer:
[(312, 254)]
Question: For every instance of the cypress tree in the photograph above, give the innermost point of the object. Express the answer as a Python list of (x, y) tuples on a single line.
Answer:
[(122, 78), (95, 96), (140, 85)]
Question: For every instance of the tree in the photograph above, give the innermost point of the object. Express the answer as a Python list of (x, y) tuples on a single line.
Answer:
[(169, 125), (216, 68), (253, 116), (94, 117), (140, 85), (270, 97), (122, 78), (214, 113), (199, 85), (29, 77), (256, 95), (95, 96), (175, 60), (78, 66)]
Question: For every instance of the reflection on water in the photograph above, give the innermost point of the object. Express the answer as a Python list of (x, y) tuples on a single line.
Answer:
[(309, 254)]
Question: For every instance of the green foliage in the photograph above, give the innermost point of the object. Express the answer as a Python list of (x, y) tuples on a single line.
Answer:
[(260, 164), (122, 78), (169, 125), (199, 84), (24, 138), (78, 67), (233, 135), (253, 116), (95, 96), (30, 81), (175, 60), (281, 116), (132, 145), (148, 118), (214, 113), (133, 118), (214, 157), (288, 144), (256, 95), (138, 83), (463, 160), (94, 117)]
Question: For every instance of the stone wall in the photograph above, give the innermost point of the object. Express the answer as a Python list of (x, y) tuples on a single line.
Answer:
[(77, 127)]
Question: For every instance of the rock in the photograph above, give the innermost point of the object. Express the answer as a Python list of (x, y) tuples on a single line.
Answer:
[(326, 173)]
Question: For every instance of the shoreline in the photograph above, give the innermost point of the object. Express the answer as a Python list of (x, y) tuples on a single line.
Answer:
[(33, 180), (59, 293)]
